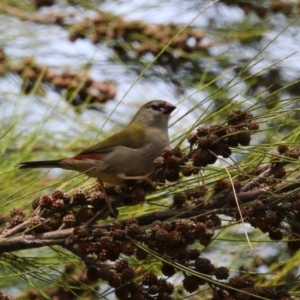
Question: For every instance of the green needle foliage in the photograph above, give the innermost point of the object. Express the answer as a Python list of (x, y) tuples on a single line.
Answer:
[(223, 222)]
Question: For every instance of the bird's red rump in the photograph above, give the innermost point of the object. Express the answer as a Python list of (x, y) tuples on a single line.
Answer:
[(87, 156)]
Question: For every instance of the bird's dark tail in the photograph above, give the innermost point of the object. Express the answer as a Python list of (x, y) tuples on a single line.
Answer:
[(39, 164)]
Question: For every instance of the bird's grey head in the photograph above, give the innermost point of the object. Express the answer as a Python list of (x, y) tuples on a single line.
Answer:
[(155, 113)]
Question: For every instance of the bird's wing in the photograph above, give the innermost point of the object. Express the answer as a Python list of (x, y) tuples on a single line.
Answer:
[(132, 136)]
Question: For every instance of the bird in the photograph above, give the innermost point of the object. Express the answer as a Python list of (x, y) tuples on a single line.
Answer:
[(127, 155)]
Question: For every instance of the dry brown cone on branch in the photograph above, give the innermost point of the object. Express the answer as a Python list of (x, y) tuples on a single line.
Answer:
[(78, 88), (169, 236)]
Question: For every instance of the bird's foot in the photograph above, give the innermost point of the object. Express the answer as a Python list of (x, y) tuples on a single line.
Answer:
[(113, 210), (144, 178)]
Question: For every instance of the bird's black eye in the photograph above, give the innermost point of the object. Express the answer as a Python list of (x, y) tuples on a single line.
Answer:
[(156, 107)]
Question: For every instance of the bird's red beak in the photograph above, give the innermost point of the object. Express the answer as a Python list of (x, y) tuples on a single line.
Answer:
[(168, 108)]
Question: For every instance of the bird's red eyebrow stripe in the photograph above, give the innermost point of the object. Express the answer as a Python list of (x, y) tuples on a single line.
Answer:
[(87, 156)]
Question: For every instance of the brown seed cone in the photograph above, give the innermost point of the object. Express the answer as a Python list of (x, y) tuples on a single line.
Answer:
[(294, 154), (212, 139), (181, 225), (192, 138), (161, 235), (81, 232), (122, 293), (258, 206), (58, 205), (115, 280), (149, 278), (91, 275), (141, 254), (97, 233), (203, 265), (190, 283), (200, 229), (178, 152), (187, 171), (115, 251), (293, 243), (97, 198), (35, 203), (111, 190), (57, 194), (69, 220), (253, 126), (173, 238), (169, 226), (275, 235), (3, 219), (196, 193), (121, 265), (220, 186), (202, 158), (268, 292), (296, 205), (167, 152), (221, 273), (4, 297), (232, 138), (238, 282), (203, 142), (244, 138), (204, 240), (218, 130), (103, 255), (16, 220), (165, 286), (172, 161), (106, 242), (237, 116), (137, 196), (243, 295), (137, 295), (159, 162), (84, 247), (216, 220), (118, 234), (133, 230), (34, 223), (46, 201), (270, 216), (168, 270), (172, 174), (79, 197), (280, 173), (128, 274), (128, 248), (203, 131), (179, 199), (193, 254), (153, 289), (83, 215), (282, 148)]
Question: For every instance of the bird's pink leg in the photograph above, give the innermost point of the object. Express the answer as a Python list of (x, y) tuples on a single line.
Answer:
[(107, 200), (141, 177)]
